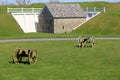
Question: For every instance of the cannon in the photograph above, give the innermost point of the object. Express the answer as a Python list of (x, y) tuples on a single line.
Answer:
[(83, 41), (19, 53)]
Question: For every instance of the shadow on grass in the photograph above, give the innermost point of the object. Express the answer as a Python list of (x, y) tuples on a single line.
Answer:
[(87, 46), (21, 62)]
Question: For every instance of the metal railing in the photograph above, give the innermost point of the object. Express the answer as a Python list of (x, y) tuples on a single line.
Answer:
[(94, 9), (37, 10), (23, 10)]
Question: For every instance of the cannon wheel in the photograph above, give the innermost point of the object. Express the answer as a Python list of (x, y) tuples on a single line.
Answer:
[(32, 56), (92, 42), (15, 57)]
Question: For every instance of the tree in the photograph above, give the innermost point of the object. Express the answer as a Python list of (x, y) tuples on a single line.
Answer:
[(53, 1), (22, 2)]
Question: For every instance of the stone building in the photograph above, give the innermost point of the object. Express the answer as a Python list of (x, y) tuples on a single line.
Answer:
[(60, 18)]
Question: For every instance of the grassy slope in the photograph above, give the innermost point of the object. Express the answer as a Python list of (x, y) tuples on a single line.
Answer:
[(103, 25), (62, 60), (8, 26)]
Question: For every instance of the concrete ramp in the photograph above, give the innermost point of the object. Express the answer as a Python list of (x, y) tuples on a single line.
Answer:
[(28, 22)]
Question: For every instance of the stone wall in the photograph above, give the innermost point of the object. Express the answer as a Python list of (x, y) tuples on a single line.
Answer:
[(46, 23), (66, 25)]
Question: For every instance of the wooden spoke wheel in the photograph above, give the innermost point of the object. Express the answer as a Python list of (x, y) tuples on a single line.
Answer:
[(32, 56), (15, 57)]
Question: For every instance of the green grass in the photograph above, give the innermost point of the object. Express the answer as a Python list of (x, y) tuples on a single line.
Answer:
[(105, 24), (62, 60)]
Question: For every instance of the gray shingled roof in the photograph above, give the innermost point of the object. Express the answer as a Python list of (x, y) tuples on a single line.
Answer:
[(66, 10)]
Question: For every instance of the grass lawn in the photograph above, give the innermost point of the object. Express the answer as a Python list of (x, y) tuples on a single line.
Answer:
[(62, 60)]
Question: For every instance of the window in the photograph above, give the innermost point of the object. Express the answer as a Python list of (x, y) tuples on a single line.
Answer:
[(63, 27)]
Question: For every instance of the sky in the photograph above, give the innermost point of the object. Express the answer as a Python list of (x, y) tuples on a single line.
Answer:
[(36, 1), (76, 0)]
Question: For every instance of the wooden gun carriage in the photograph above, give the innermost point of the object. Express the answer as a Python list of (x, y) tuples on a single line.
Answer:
[(19, 53), (83, 41)]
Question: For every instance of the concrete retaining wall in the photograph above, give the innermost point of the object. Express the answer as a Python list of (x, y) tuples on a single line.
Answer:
[(28, 22)]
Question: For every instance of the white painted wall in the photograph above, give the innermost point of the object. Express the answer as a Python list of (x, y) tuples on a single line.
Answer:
[(27, 21)]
